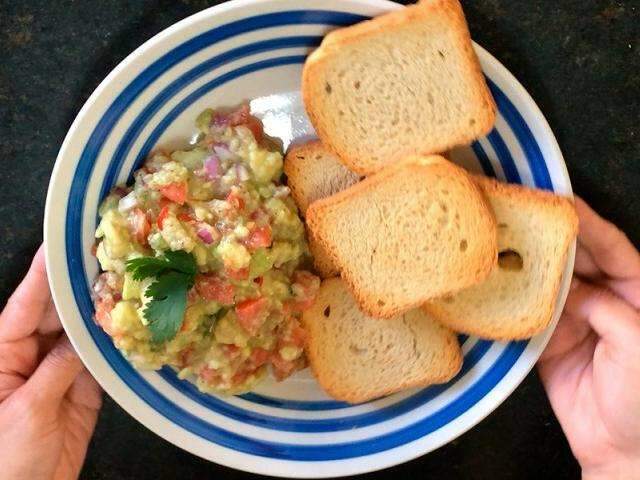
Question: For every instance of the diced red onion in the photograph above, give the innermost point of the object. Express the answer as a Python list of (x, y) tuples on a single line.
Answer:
[(223, 152), (212, 167), (127, 202), (241, 172), (120, 191), (220, 120), (205, 235)]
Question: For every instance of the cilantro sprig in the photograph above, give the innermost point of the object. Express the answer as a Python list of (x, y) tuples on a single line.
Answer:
[(174, 274)]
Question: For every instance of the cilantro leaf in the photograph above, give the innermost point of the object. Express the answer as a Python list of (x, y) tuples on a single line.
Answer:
[(165, 310), (174, 274), (144, 267), (182, 262)]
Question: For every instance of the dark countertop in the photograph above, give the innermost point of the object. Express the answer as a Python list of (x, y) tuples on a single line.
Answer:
[(579, 59)]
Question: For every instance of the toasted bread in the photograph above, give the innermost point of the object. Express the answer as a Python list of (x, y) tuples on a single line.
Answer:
[(407, 82), (314, 173), (417, 230), (357, 358), (516, 301)]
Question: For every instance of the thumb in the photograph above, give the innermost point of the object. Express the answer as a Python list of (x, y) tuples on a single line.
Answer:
[(57, 372)]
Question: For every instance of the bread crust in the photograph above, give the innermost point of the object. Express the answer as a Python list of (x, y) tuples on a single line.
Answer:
[(524, 323), (320, 60), (318, 348), (320, 211)]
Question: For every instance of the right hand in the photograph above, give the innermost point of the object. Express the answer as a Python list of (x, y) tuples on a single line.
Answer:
[(591, 367)]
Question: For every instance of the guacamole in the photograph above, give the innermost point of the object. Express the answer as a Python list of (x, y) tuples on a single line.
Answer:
[(222, 203)]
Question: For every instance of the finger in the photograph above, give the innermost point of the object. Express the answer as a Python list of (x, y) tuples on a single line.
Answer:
[(50, 323), (627, 289), (9, 384), (585, 266), (29, 302), (20, 357), (57, 372), (567, 335), (612, 318), (608, 246), (85, 391)]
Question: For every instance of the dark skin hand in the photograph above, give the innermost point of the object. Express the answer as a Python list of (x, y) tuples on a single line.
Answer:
[(591, 367), (48, 402)]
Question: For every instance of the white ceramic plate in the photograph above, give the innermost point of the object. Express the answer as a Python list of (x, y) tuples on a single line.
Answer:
[(254, 49)]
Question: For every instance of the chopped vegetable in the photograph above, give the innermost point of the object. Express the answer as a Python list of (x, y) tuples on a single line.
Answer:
[(176, 192)]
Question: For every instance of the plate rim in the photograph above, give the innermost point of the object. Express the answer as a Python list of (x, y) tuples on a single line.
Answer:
[(297, 468)]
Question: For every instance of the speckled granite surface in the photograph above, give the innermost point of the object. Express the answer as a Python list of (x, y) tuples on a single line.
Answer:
[(579, 59)]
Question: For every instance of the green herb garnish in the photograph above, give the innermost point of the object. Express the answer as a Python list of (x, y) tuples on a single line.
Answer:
[(174, 274)]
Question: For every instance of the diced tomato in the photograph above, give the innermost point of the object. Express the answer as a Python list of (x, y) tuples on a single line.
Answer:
[(252, 314), (103, 314), (309, 285), (185, 325), (176, 192), (259, 237), (298, 335), (230, 350), (185, 356), (240, 377), (240, 116), (282, 368), (212, 287), (235, 200), (259, 216), (209, 375), (255, 126), (164, 213), (259, 356), (185, 217), (140, 226), (240, 274)]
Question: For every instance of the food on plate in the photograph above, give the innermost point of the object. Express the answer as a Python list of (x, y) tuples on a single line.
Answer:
[(407, 82), (203, 258), (357, 358), (313, 173), (535, 230), (417, 230)]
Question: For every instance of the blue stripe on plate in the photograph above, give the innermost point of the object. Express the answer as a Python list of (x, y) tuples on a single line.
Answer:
[(176, 414), (288, 404), (527, 141), (506, 160), (483, 159)]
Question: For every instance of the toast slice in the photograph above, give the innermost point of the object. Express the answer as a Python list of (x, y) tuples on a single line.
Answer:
[(357, 358), (417, 230), (407, 82), (516, 301), (314, 173)]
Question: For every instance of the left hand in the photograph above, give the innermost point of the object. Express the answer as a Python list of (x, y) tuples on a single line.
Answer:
[(48, 402)]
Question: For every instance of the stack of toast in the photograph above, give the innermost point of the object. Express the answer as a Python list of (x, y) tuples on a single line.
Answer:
[(412, 247)]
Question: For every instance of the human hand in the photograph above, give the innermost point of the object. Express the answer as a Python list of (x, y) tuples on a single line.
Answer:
[(48, 402), (591, 367)]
